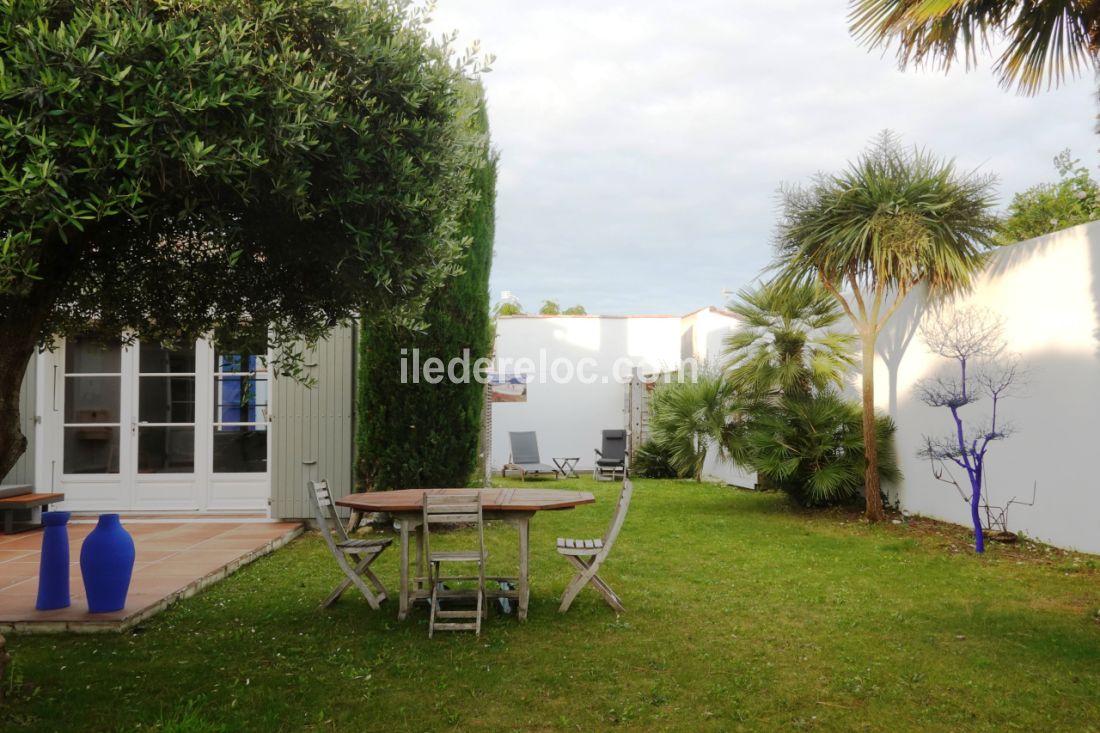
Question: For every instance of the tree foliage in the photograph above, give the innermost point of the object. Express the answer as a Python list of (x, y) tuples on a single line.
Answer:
[(414, 435), (787, 342), (812, 448), (509, 308), (894, 219), (1048, 207), (168, 166), (1041, 41)]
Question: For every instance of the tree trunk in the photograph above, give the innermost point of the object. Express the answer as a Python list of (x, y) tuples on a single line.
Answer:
[(14, 357), (22, 319), (870, 444)]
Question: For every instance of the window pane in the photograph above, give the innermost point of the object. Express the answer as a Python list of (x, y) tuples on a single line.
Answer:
[(88, 355), (240, 399), (240, 449), (92, 399), (156, 359), (166, 399), (166, 450), (91, 450)]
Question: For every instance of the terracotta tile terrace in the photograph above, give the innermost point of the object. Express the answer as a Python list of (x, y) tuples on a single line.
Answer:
[(176, 558)]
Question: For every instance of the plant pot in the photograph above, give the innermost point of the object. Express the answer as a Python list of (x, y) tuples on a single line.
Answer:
[(107, 562), (53, 566)]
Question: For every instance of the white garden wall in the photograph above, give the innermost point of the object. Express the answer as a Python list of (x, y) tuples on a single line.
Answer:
[(568, 415), (1048, 291)]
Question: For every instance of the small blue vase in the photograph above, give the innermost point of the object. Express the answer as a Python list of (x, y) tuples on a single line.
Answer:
[(107, 562), (53, 567)]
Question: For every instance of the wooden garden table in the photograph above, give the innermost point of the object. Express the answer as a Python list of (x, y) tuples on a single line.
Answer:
[(514, 506)]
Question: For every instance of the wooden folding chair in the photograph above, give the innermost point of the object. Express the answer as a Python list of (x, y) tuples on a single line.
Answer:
[(454, 509), (587, 556), (362, 552)]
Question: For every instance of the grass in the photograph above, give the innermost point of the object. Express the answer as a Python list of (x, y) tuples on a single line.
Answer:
[(742, 614)]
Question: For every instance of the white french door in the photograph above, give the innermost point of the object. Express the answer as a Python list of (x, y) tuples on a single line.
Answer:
[(142, 427)]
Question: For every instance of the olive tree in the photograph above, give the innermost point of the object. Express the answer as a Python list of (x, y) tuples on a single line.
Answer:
[(172, 166)]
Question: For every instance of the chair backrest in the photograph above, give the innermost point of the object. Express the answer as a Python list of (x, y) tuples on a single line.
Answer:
[(453, 508), (617, 520), (614, 445), (525, 447), (324, 511)]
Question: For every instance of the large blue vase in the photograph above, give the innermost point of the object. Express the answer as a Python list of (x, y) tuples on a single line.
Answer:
[(53, 567), (107, 562)]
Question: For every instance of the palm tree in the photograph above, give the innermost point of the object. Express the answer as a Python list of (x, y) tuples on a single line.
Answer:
[(787, 421), (687, 418), (893, 220), (787, 343), (1046, 40)]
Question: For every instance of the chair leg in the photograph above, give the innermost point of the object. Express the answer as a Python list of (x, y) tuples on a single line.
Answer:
[(587, 574), (353, 577), (434, 604)]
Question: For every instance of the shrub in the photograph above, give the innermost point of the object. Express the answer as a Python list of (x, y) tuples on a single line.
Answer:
[(652, 460)]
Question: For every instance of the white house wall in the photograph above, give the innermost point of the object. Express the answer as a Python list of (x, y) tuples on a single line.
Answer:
[(569, 416), (1048, 291)]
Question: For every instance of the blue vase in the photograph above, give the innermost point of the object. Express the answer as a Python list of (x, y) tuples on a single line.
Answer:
[(107, 562), (53, 567)]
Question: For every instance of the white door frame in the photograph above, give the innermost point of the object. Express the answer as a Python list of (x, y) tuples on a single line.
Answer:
[(128, 490)]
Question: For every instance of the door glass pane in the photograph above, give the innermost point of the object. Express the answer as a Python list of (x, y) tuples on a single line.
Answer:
[(163, 449), (90, 355), (155, 359), (92, 411), (92, 399), (240, 449), (166, 399), (91, 449), (240, 398), (240, 403)]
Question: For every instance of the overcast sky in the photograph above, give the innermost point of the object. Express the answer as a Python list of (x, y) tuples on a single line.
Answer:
[(642, 143)]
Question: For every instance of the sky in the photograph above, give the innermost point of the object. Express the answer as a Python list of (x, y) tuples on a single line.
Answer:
[(642, 145)]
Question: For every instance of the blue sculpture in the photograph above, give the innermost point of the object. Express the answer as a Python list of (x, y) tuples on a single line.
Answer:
[(53, 567), (107, 562)]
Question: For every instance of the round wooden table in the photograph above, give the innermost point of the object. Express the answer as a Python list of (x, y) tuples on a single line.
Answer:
[(515, 506)]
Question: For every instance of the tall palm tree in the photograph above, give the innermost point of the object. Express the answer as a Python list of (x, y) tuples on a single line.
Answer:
[(1046, 41), (893, 220)]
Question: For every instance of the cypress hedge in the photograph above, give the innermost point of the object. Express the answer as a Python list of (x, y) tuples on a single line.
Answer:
[(421, 435)]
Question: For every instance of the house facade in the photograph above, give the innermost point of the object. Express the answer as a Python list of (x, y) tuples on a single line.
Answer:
[(201, 429)]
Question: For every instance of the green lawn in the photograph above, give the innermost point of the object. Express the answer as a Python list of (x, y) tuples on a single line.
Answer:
[(742, 614)]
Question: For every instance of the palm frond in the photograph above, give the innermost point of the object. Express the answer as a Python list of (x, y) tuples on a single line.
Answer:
[(1046, 42)]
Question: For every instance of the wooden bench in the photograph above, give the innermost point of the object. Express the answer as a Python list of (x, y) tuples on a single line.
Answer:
[(29, 502)]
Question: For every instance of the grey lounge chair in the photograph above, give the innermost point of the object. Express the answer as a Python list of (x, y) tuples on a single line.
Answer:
[(525, 456), (611, 459)]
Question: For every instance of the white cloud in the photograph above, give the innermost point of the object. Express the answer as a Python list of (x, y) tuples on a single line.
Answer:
[(642, 144)]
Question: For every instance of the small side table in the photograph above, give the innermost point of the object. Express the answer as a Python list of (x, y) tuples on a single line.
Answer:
[(567, 466), (30, 503)]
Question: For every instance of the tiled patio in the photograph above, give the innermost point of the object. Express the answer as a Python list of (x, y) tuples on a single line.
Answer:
[(174, 560)]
